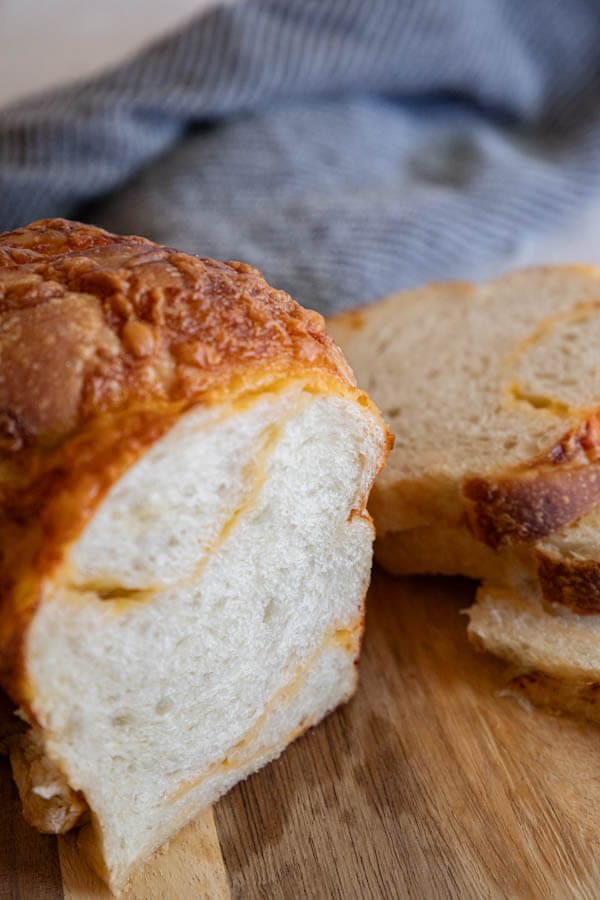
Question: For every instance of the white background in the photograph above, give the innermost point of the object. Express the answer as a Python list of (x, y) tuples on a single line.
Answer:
[(44, 43)]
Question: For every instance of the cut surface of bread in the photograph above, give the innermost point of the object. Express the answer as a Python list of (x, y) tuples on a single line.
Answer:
[(480, 389), (554, 653), (185, 542), (493, 395), (493, 399), (193, 601), (515, 625)]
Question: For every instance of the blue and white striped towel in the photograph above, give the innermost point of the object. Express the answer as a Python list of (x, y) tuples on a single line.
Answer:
[(348, 148)]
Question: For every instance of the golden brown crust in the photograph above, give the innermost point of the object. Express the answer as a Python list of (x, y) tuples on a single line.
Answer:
[(49, 804), (91, 323), (512, 505), (529, 506), (570, 582), (104, 342), (541, 496)]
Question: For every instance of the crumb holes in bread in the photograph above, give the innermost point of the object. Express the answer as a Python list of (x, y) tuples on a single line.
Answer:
[(163, 706), (135, 595), (269, 611), (122, 720), (115, 593)]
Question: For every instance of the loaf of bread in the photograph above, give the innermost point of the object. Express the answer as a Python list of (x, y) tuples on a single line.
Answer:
[(493, 394), (185, 462)]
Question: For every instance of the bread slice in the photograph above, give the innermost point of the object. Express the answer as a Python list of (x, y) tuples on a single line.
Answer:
[(493, 397), (493, 394), (554, 653), (184, 467)]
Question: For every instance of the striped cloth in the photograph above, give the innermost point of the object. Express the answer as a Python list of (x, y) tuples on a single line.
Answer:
[(348, 148)]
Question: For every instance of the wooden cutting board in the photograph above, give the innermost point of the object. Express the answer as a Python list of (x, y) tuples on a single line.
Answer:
[(428, 784)]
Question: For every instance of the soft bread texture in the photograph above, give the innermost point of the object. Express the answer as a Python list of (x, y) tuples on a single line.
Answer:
[(515, 625), (555, 653), (186, 546), (474, 437), (493, 394), (495, 463), (183, 648)]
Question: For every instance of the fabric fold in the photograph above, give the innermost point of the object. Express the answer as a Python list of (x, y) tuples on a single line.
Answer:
[(349, 149)]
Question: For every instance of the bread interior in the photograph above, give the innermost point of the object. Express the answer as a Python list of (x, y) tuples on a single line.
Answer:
[(473, 381), (209, 612)]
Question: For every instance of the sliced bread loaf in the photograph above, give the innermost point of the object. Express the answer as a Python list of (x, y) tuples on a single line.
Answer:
[(185, 462), (493, 397), (493, 394)]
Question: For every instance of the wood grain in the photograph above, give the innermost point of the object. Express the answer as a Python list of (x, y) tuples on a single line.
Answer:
[(428, 784)]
